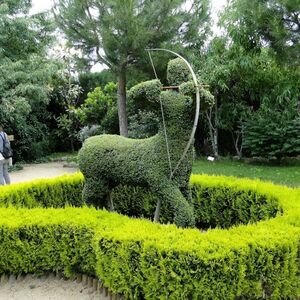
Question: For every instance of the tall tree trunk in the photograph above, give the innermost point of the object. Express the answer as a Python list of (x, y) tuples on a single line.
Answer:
[(72, 145), (238, 143), (213, 132), (122, 102), (215, 143)]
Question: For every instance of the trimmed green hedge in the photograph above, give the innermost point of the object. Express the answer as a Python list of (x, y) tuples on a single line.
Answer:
[(54, 192), (227, 201), (141, 259), (217, 203)]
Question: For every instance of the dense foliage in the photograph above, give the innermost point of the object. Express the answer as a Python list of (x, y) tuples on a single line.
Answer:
[(140, 259), (58, 192), (100, 108), (273, 137), (252, 72), (274, 22), (118, 33), (251, 90), (25, 74), (107, 161)]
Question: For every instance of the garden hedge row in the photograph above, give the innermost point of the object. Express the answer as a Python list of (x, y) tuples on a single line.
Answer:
[(217, 202), (56, 192), (227, 201), (141, 259)]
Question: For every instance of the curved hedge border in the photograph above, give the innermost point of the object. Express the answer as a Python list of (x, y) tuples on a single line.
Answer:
[(227, 201), (141, 259), (54, 192)]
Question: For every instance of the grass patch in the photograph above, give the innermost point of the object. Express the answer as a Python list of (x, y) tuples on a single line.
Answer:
[(63, 156), (284, 174)]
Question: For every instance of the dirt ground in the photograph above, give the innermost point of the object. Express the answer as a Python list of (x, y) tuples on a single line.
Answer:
[(50, 288), (37, 171)]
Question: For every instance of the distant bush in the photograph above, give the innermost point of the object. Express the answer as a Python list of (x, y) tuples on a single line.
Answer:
[(100, 108), (88, 131), (40, 149), (271, 137)]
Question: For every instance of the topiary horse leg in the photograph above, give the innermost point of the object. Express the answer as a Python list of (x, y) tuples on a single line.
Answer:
[(186, 192), (182, 210), (95, 192)]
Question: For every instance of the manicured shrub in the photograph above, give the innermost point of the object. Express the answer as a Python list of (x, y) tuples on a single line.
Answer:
[(56, 192), (217, 203), (134, 201), (143, 260), (149, 90), (178, 72), (39, 241), (109, 160)]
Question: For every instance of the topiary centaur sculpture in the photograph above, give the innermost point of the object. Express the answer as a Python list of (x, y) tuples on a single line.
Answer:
[(110, 160)]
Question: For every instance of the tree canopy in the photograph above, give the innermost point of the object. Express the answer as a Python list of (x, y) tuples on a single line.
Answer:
[(25, 72), (258, 23), (116, 32)]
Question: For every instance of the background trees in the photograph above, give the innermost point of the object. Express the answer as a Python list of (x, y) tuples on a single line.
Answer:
[(52, 104), (275, 23), (116, 32), (255, 86), (25, 73)]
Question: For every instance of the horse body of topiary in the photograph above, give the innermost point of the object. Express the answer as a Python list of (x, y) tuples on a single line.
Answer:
[(110, 160)]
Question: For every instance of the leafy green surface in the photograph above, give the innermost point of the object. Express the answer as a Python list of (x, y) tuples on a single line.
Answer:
[(107, 161), (144, 260), (286, 175)]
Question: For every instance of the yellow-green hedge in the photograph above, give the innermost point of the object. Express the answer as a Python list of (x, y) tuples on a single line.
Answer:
[(219, 204), (54, 192), (227, 201), (141, 259)]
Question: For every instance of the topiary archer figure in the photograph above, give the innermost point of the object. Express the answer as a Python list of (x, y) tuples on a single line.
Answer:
[(110, 160)]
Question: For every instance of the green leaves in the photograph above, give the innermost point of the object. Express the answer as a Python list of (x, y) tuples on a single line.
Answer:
[(124, 29), (222, 206), (253, 24), (25, 73), (272, 135), (59, 192), (98, 105), (140, 259)]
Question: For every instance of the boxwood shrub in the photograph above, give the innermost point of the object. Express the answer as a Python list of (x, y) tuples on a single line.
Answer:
[(54, 192), (218, 202), (227, 201), (143, 260)]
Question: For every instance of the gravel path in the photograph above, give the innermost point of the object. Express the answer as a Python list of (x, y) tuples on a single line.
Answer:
[(47, 288), (45, 170)]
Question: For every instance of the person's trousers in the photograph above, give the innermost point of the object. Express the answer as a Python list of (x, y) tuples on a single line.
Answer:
[(4, 176)]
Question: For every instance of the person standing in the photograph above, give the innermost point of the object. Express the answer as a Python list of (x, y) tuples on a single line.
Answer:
[(4, 162)]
